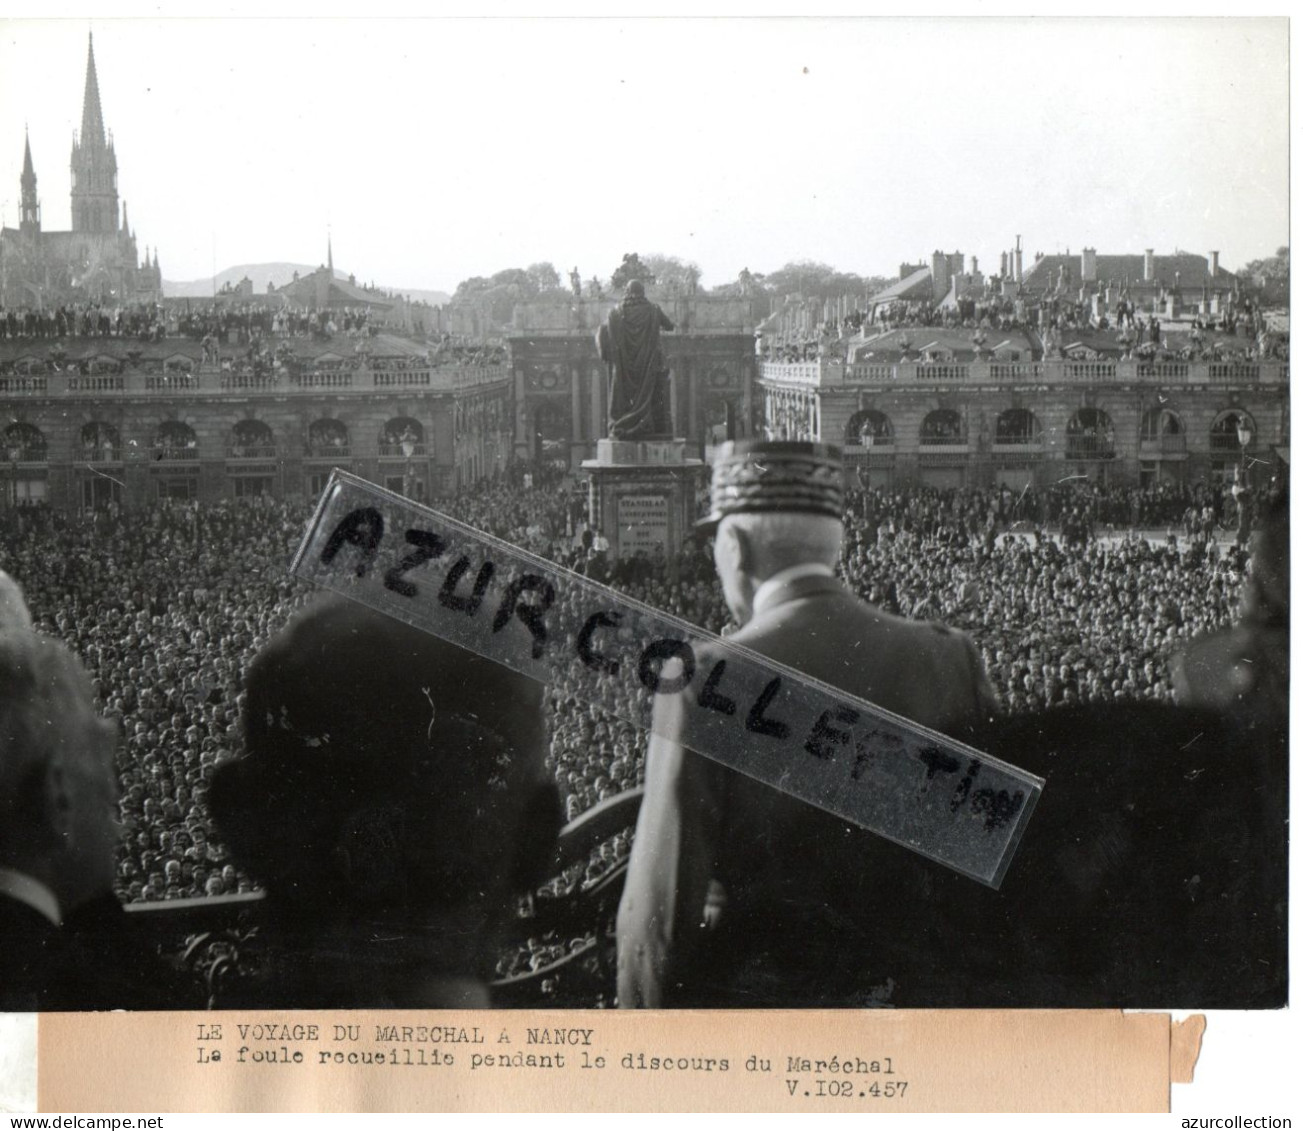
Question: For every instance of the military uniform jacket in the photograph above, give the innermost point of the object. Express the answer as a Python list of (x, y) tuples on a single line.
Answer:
[(702, 826)]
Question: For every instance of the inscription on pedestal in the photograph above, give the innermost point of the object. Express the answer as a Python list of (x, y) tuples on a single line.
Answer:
[(643, 523)]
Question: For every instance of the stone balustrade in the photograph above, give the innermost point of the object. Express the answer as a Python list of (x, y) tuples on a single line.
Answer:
[(214, 382), (1057, 371)]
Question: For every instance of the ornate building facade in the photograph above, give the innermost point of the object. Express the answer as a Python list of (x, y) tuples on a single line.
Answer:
[(561, 385), (91, 421), (97, 260), (969, 423)]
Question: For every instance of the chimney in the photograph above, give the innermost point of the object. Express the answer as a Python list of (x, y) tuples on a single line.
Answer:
[(1017, 259), (972, 265), (906, 270), (1088, 265), (1149, 265), (1004, 265), (1212, 262), (940, 276), (954, 265)]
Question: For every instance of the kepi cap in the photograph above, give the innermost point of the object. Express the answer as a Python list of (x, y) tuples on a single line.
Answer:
[(756, 476)]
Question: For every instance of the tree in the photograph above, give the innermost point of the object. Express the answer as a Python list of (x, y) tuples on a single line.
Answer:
[(1269, 276), (670, 271), (544, 277)]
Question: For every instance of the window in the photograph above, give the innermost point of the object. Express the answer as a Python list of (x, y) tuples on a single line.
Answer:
[(178, 488), (247, 486), (29, 492)]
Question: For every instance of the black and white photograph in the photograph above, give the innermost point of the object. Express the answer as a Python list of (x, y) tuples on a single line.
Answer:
[(871, 436)]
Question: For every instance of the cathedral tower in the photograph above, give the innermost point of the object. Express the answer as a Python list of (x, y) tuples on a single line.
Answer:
[(94, 164), (30, 207)]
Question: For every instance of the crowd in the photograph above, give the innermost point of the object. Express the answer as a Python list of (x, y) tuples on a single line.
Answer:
[(167, 608), (140, 321), (225, 323), (1239, 333)]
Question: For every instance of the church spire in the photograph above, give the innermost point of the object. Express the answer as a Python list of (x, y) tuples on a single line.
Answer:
[(126, 228), (330, 256), (29, 173), (92, 117), (29, 208)]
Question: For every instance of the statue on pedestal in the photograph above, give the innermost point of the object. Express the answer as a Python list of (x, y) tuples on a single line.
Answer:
[(630, 344)]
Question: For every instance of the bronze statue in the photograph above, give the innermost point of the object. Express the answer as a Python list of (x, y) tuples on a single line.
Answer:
[(630, 344)]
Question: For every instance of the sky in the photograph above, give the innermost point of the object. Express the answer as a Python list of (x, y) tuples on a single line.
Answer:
[(432, 150)]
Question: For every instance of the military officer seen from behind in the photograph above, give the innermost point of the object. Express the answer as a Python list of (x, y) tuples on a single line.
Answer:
[(738, 894)]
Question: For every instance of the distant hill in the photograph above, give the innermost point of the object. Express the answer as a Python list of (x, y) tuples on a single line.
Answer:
[(278, 274)]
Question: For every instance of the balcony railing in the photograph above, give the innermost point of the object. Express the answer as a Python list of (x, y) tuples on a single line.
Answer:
[(870, 371), (791, 372), (1051, 372), (251, 451), (11, 386), (27, 453), (949, 371), (323, 379), (171, 382), (395, 451), (1164, 370), (217, 945), (258, 382), (402, 379), (101, 455), (1234, 371), (166, 454), (210, 382), (1226, 442), (1162, 445), (1015, 370), (1091, 447), (1089, 370), (326, 451), (108, 383)]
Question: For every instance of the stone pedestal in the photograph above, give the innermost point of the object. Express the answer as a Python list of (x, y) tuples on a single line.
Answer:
[(642, 496)]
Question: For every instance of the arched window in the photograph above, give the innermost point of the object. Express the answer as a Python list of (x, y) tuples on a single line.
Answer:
[(1164, 428), (251, 439), (1160, 424), (327, 437), (1225, 435), (1017, 426), (870, 429), (100, 441), (176, 440), (25, 443), (943, 426), (1090, 434), (402, 436)]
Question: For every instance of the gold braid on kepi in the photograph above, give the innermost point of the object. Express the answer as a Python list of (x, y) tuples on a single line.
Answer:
[(754, 476)]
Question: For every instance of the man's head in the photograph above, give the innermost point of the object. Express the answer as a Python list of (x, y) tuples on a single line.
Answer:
[(58, 786), (635, 289), (387, 771), (773, 504)]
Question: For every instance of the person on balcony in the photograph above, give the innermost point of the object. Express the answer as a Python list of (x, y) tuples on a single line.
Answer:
[(709, 834), (393, 800), (64, 939)]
